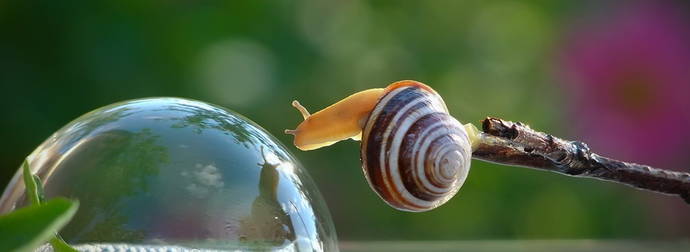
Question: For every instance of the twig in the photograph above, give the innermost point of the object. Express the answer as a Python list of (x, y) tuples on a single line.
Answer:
[(516, 144)]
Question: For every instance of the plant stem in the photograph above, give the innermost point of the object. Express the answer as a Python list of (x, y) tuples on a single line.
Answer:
[(516, 144)]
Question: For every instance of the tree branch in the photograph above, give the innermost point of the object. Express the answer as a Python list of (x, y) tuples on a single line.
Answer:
[(516, 144)]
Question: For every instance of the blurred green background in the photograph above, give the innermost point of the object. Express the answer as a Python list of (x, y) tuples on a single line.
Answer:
[(612, 73)]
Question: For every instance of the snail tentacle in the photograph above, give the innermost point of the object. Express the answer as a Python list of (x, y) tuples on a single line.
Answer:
[(302, 110)]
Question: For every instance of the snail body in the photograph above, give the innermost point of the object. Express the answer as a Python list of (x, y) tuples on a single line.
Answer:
[(414, 155), (340, 121)]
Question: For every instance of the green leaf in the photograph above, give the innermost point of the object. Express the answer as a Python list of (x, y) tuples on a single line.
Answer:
[(39, 189), (59, 245), (27, 228), (35, 193), (30, 182)]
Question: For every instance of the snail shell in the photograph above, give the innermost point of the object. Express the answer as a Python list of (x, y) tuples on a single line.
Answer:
[(415, 156)]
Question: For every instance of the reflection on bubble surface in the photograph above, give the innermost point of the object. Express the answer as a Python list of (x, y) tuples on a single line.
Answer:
[(167, 171)]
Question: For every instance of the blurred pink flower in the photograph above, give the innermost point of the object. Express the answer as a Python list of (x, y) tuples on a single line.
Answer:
[(628, 79)]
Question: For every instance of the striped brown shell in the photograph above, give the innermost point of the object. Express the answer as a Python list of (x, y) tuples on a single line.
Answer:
[(415, 156)]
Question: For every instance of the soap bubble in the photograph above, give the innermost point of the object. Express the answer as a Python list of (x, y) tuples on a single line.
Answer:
[(178, 174)]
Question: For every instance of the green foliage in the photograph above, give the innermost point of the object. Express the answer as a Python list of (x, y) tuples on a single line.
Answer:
[(59, 245), (32, 184), (29, 227), (35, 193)]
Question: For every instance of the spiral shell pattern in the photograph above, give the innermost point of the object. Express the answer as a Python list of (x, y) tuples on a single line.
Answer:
[(415, 156)]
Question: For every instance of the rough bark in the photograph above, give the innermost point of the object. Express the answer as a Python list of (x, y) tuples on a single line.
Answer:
[(516, 144)]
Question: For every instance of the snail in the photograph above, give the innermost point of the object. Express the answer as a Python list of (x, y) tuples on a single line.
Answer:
[(414, 155)]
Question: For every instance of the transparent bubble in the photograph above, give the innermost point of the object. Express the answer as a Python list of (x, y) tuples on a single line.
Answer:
[(175, 173)]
